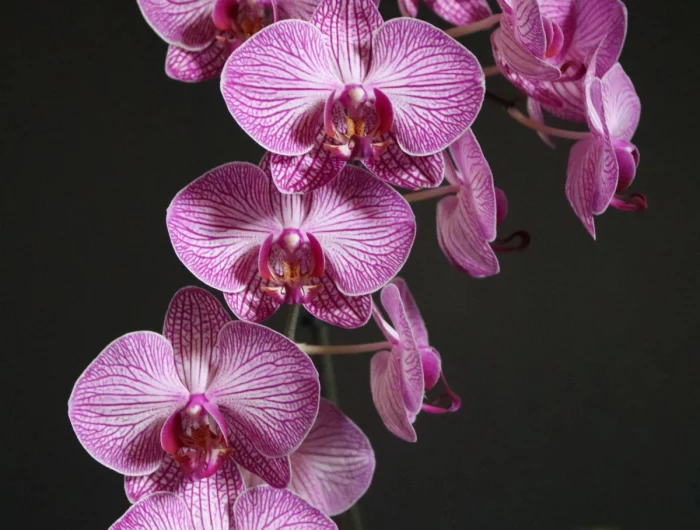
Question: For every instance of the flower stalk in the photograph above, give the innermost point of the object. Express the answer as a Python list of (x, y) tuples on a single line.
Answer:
[(468, 29), (431, 193), (323, 349)]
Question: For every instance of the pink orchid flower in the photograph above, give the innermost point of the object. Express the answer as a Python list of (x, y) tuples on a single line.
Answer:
[(458, 12), (348, 86), (328, 249), (544, 47), (605, 163), (203, 33), (467, 221), (333, 466), (197, 393), (401, 376)]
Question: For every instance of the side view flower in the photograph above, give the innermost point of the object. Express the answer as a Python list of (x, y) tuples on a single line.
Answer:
[(197, 393), (457, 12), (203, 33), (328, 249), (348, 86)]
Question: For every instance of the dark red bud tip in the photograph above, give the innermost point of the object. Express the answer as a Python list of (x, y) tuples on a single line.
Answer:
[(636, 202), (503, 244)]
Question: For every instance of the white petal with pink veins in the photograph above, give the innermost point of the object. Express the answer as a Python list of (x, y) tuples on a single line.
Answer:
[(265, 508)]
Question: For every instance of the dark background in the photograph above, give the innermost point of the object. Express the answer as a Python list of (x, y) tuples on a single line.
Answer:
[(578, 364)]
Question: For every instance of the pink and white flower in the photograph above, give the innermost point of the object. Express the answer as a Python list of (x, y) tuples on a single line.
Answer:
[(328, 249), (348, 86), (198, 393), (458, 12), (203, 33), (605, 163), (545, 47), (401, 376), (333, 466)]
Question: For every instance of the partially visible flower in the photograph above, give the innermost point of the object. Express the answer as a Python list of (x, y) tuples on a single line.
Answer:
[(545, 47), (347, 86), (203, 33), (604, 164), (198, 393), (401, 376), (333, 466), (265, 508), (457, 12), (328, 249)]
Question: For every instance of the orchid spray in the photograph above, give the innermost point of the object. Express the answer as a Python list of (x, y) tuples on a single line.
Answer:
[(220, 424)]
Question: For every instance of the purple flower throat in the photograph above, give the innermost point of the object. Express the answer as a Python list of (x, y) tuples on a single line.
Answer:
[(237, 20)]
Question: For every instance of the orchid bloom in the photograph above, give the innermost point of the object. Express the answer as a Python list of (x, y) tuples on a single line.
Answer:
[(328, 249), (458, 12), (261, 508), (466, 222), (333, 466), (401, 376), (197, 394), (203, 33), (605, 163), (544, 47), (348, 86)]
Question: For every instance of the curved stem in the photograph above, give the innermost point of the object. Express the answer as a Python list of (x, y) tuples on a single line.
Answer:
[(290, 328), (431, 193), (492, 70), (322, 349), (487, 23), (521, 118)]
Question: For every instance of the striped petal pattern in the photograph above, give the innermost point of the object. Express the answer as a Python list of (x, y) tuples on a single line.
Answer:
[(156, 512), (187, 24), (265, 508)]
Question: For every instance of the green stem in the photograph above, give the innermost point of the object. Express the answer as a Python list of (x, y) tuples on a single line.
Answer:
[(290, 328)]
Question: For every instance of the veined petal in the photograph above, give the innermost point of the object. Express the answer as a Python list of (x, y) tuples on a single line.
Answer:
[(507, 51), (418, 329), (276, 85), (408, 8), (458, 12), (252, 304), (268, 385), (385, 381), (461, 239), (435, 85), (409, 357), (192, 326), (334, 465), (265, 508), (301, 9), (365, 228), (338, 309), (583, 172), (347, 26), (209, 500), (120, 403), (621, 103), (475, 174), (156, 512), (528, 26), (599, 22), (184, 23), (195, 66), (534, 111), (410, 172), (218, 222), (305, 173)]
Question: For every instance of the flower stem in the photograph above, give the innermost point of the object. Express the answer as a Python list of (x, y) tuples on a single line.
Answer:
[(431, 193), (487, 23), (324, 349), (491, 70), (290, 328)]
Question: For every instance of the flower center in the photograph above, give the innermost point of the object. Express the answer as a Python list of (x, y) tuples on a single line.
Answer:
[(293, 264), (237, 20)]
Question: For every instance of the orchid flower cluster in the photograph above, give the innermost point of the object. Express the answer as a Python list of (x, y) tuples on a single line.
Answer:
[(219, 424)]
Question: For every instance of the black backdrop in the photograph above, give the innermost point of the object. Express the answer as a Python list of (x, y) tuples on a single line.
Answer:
[(578, 364)]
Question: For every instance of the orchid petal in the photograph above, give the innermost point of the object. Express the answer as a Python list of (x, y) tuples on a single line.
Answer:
[(192, 326), (410, 172), (156, 512), (476, 175), (408, 8), (120, 403), (333, 468), (268, 385), (210, 500), (435, 85), (347, 26), (385, 382), (338, 309), (276, 85), (528, 27), (412, 381), (461, 239), (621, 103), (365, 228), (582, 175), (507, 51), (184, 23), (534, 110), (459, 12), (218, 222), (265, 508), (599, 23), (252, 304), (195, 66), (301, 9), (501, 206), (305, 173), (432, 367), (415, 320)]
